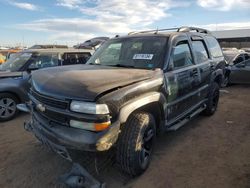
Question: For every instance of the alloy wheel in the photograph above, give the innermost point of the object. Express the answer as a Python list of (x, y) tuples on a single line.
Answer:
[(146, 148), (7, 107)]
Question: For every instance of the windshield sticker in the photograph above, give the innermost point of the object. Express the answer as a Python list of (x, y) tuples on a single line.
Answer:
[(144, 56)]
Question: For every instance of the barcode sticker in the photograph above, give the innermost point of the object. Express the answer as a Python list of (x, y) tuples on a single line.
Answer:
[(144, 56)]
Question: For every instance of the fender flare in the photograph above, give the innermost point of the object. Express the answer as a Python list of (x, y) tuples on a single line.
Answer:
[(215, 74), (139, 102)]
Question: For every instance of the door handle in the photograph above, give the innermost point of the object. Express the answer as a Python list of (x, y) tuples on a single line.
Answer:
[(194, 72)]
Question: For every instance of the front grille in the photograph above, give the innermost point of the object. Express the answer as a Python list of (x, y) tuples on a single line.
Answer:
[(57, 103), (49, 115), (54, 116)]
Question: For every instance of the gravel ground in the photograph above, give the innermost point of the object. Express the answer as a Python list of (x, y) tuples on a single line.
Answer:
[(207, 152)]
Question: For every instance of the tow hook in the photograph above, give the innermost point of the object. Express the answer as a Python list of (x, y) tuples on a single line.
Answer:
[(78, 177), (27, 126)]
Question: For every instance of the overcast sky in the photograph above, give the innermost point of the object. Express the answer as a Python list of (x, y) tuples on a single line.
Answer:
[(73, 21)]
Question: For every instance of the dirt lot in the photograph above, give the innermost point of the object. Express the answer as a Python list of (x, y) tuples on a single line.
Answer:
[(207, 152)]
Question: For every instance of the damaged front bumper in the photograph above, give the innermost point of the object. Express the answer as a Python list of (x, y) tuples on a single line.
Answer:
[(61, 138)]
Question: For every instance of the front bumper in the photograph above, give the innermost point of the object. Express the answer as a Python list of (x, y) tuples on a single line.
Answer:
[(60, 138)]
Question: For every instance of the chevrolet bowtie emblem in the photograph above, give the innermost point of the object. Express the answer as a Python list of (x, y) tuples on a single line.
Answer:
[(40, 107)]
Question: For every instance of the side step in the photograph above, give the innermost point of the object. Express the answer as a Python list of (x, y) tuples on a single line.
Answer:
[(179, 124)]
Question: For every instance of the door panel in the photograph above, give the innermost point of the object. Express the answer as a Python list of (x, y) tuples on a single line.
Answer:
[(181, 90), (182, 81), (203, 62), (240, 74)]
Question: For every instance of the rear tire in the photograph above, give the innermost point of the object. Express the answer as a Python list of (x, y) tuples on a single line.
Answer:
[(213, 99), (8, 108), (225, 82), (135, 143)]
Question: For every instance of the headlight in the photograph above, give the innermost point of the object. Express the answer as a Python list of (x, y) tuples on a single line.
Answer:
[(90, 126), (88, 107)]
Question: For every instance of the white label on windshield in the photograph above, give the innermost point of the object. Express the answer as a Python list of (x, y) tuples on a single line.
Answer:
[(143, 56)]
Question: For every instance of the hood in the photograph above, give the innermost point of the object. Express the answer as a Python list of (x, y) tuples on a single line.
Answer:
[(4, 74), (85, 82)]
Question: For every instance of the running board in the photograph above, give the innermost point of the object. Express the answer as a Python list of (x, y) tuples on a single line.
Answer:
[(179, 124)]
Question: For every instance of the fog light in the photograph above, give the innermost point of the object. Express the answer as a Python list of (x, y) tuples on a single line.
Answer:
[(89, 126)]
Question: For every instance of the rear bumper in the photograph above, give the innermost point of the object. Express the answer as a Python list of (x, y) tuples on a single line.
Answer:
[(61, 138)]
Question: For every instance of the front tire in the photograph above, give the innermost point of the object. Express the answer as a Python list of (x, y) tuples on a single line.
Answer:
[(136, 143), (213, 99), (8, 108)]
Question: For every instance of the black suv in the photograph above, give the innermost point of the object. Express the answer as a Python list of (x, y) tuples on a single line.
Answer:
[(131, 88), (15, 73)]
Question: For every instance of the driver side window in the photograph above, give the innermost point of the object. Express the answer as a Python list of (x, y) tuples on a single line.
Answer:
[(239, 59), (182, 55)]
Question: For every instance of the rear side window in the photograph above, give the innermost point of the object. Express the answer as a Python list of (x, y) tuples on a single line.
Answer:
[(182, 55), (75, 58), (214, 47), (82, 58), (200, 51)]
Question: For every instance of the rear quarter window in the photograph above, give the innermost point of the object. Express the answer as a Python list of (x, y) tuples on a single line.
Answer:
[(214, 47), (75, 58)]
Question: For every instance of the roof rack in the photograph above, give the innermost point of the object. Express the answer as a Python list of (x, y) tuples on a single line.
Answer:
[(190, 29), (178, 29)]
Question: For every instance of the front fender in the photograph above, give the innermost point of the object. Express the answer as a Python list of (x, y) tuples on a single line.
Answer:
[(217, 74), (14, 86), (140, 102)]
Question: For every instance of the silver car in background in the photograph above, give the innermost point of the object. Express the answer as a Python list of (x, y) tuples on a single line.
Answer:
[(238, 67)]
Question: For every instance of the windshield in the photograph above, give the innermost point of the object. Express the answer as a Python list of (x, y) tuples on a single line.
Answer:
[(14, 63), (138, 52)]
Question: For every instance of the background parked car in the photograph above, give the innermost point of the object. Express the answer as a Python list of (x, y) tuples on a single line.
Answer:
[(47, 46), (246, 49), (6, 54), (93, 43), (238, 67), (15, 73)]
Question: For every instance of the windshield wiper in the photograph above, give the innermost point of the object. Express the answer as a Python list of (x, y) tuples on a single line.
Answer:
[(122, 65), (94, 64)]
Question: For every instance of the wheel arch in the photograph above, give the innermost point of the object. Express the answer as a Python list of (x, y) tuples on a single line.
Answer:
[(12, 93), (152, 103), (218, 77)]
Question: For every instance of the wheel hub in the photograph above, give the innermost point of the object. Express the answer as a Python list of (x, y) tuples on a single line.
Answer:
[(7, 107), (146, 148)]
